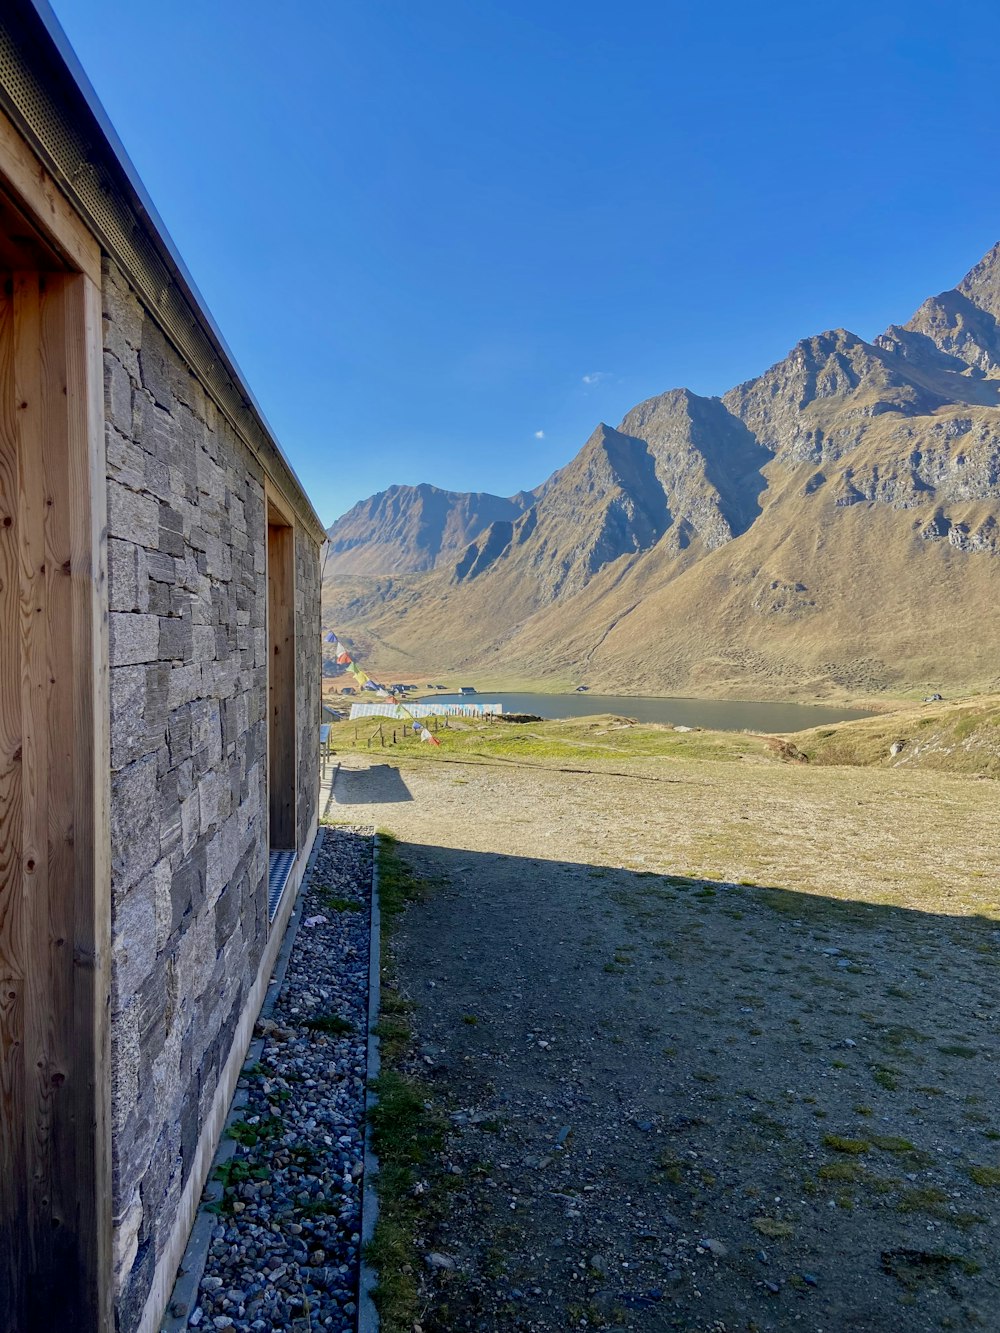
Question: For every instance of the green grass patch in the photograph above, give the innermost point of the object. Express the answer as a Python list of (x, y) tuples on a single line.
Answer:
[(407, 1137), (772, 1227), (840, 1171), (569, 741), (398, 886), (952, 739), (395, 1033), (921, 1199), (854, 1147), (892, 1143), (988, 1177), (331, 1025), (670, 1166), (913, 1268), (886, 1078), (333, 904), (407, 1131)]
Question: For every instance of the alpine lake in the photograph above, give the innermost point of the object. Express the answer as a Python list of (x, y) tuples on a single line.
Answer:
[(713, 714)]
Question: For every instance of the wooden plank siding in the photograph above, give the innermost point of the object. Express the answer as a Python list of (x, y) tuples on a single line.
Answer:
[(13, 1176), (53, 1177)]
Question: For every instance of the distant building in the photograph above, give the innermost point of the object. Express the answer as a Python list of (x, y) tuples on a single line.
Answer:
[(467, 689)]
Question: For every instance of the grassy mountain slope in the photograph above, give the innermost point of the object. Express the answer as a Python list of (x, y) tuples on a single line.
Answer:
[(828, 529)]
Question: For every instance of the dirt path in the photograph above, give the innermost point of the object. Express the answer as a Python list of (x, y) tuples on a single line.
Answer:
[(678, 1102)]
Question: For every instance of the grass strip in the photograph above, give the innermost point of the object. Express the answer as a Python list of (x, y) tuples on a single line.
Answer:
[(407, 1132)]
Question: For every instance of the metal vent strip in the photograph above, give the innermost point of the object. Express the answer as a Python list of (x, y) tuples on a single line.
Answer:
[(279, 867), (91, 170)]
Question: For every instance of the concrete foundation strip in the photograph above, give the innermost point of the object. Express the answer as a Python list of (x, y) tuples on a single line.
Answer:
[(184, 1298), (368, 1320)]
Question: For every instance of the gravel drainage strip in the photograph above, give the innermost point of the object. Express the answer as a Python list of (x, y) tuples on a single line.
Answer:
[(279, 1230)]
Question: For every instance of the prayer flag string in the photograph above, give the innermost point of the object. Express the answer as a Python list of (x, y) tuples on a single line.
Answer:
[(344, 658)]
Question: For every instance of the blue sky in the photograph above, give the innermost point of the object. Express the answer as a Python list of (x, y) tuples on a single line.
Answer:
[(444, 239)]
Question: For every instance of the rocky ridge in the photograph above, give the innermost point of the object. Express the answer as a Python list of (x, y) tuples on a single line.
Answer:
[(847, 479)]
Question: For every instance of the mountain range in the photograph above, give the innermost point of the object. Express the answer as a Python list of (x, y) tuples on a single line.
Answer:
[(830, 529)]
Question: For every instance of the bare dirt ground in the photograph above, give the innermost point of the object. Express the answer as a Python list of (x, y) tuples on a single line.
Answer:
[(678, 1101)]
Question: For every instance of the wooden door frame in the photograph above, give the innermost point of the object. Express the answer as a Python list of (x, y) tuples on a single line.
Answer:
[(79, 407), (278, 514)]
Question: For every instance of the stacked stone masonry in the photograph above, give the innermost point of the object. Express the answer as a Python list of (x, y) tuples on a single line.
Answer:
[(187, 541)]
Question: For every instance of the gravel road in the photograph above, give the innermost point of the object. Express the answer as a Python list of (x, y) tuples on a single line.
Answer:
[(686, 1103)]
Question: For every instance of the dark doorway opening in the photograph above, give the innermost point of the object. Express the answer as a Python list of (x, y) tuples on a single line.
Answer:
[(282, 842)]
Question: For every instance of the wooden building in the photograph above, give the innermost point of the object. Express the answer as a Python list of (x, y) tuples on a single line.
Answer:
[(159, 713)]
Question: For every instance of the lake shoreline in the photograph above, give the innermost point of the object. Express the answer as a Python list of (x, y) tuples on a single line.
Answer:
[(487, 683), (710, 714)]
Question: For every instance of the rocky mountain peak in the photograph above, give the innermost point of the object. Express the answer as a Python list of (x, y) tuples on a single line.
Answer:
[(948, 332), (982, 283), (408, 529), (788, 408)]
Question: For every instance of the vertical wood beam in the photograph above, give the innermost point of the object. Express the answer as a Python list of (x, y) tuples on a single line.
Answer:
[(36, 456), (91, 941), (55, 1180), (13, 1176), (281, 684)]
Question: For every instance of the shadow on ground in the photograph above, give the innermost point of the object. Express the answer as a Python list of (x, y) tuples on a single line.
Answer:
[(381, 784), (682, 1104)]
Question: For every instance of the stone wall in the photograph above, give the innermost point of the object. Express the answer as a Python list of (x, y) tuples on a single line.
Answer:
[(187, 549)]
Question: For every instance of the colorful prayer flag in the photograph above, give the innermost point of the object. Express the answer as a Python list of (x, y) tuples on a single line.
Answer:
[(344, 659)]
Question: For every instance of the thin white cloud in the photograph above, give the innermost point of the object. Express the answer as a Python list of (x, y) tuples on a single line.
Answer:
[(595, 377), (539, 435)]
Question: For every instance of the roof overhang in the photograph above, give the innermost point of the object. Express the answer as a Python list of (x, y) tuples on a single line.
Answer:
[(47, 95)]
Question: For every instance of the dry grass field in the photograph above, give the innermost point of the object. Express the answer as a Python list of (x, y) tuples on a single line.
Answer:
[(712, 1034), (921, 828)]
